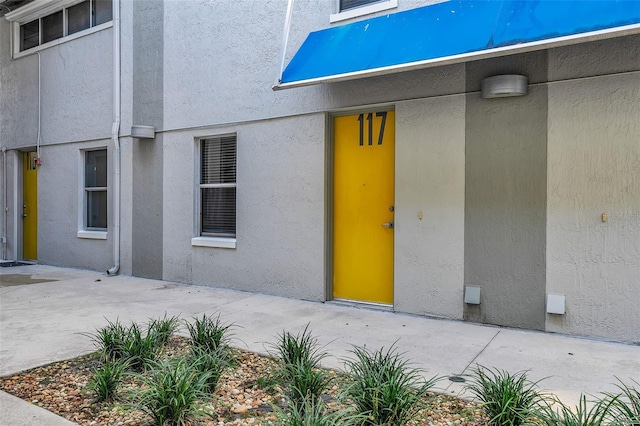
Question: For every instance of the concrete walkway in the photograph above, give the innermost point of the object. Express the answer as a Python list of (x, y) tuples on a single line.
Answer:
[(44, 310)]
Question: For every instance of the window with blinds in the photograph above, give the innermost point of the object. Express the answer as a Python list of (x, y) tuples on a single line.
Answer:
[(218, 186), (351, 4)]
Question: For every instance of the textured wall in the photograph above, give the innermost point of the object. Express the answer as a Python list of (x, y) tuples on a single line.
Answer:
[(594, 168), (147, 155), (429, 253), (58, 206), (505, 208), (280, 210)]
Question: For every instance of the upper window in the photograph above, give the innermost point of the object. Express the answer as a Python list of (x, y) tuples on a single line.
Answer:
[(350, 4), (348, 9), (95, 190), (64, 22), (218, 187)]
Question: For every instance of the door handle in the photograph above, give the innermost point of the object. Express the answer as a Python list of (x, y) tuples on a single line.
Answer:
[(388, 225)]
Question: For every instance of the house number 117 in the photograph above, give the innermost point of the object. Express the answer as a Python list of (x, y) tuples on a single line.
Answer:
[(369, 119)]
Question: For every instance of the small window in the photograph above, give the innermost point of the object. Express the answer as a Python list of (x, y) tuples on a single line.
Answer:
[(351, 4), (52, 27), (64, 22), (30, 35), (95, 189), (218, 187), (78, 17), (102, 11)]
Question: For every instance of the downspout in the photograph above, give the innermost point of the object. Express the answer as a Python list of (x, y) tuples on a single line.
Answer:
[(5, 207), (115, 136)]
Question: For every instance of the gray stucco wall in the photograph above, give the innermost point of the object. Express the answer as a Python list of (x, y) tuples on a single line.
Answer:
[(505, 208), (58, 243), (147, 155), (594, 168), (429, 252), (280, 210)]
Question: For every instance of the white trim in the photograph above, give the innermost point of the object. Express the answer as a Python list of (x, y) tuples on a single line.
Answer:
[(93, 235), (364, 10), (213, 242), (464, 57), (37, 9), (16, 37)]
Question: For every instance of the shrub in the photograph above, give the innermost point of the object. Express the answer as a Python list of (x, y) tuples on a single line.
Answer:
[(581, 415), (137, 348), (209, 334), (508, 400), (163, 328), (171, 391), (211, 363), (109, 340), (104, 384), (383, 387), (625, 406), (314, 414), (299, 358)]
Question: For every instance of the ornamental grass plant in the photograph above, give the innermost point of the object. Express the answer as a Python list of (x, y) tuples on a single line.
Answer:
[(586, 413), (106, 380), (171, 392), (209, 333), (384, 389), (625, 406)]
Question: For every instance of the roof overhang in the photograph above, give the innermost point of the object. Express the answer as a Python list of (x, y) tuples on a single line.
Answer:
[(453, 32)]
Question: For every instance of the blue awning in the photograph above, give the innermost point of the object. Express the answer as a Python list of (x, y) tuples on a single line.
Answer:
[(453, 31)]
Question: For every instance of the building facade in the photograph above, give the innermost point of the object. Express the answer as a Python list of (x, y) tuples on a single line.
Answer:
[(144, 137)]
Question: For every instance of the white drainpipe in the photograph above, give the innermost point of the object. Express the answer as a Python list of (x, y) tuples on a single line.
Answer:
[(115, 136)]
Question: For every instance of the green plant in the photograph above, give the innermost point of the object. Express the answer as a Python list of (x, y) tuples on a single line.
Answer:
[(163, 328), (106, 379), (559, 414), (383, 387), (171, 391), (507, 399), (625, 406), (313, 413), (209, 333), (109, 340), (296, 350), (211, 363), (306, 384), (137, 348)]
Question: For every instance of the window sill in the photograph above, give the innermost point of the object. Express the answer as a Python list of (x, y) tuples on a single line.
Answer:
[(364, 10), (213, 242), (93, 235)]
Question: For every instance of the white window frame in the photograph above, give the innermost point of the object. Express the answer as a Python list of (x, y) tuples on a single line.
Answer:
[(198, 239), (38, 9), (83, 232), (361, 11)]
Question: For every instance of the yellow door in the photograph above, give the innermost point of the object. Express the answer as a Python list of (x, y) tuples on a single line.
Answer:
[(363, 207), (30, 206)]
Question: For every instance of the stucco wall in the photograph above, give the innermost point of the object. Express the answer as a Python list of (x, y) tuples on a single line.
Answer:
[(280, 210), (58, 206), (594, 168), (429, 252), (505, 208)]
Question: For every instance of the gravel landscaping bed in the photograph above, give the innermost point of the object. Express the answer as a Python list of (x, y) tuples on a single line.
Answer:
[(245, 394)]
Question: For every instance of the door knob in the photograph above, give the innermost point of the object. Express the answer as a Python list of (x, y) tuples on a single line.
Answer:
[(388, 225)]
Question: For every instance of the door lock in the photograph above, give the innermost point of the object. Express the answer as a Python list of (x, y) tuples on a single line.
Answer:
[(388, 225)]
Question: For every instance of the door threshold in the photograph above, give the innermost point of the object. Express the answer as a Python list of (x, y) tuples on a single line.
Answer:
[(363, 305)]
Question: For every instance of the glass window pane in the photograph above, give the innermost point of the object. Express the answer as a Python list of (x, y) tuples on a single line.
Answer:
[(52, 27), (218, 211), (102, 11), (78, 17), (95, 171), (350, 4), (218, 160), (29, 35), (97, 209)]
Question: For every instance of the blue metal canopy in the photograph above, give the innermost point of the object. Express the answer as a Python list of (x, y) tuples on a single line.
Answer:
[(454, 31)]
